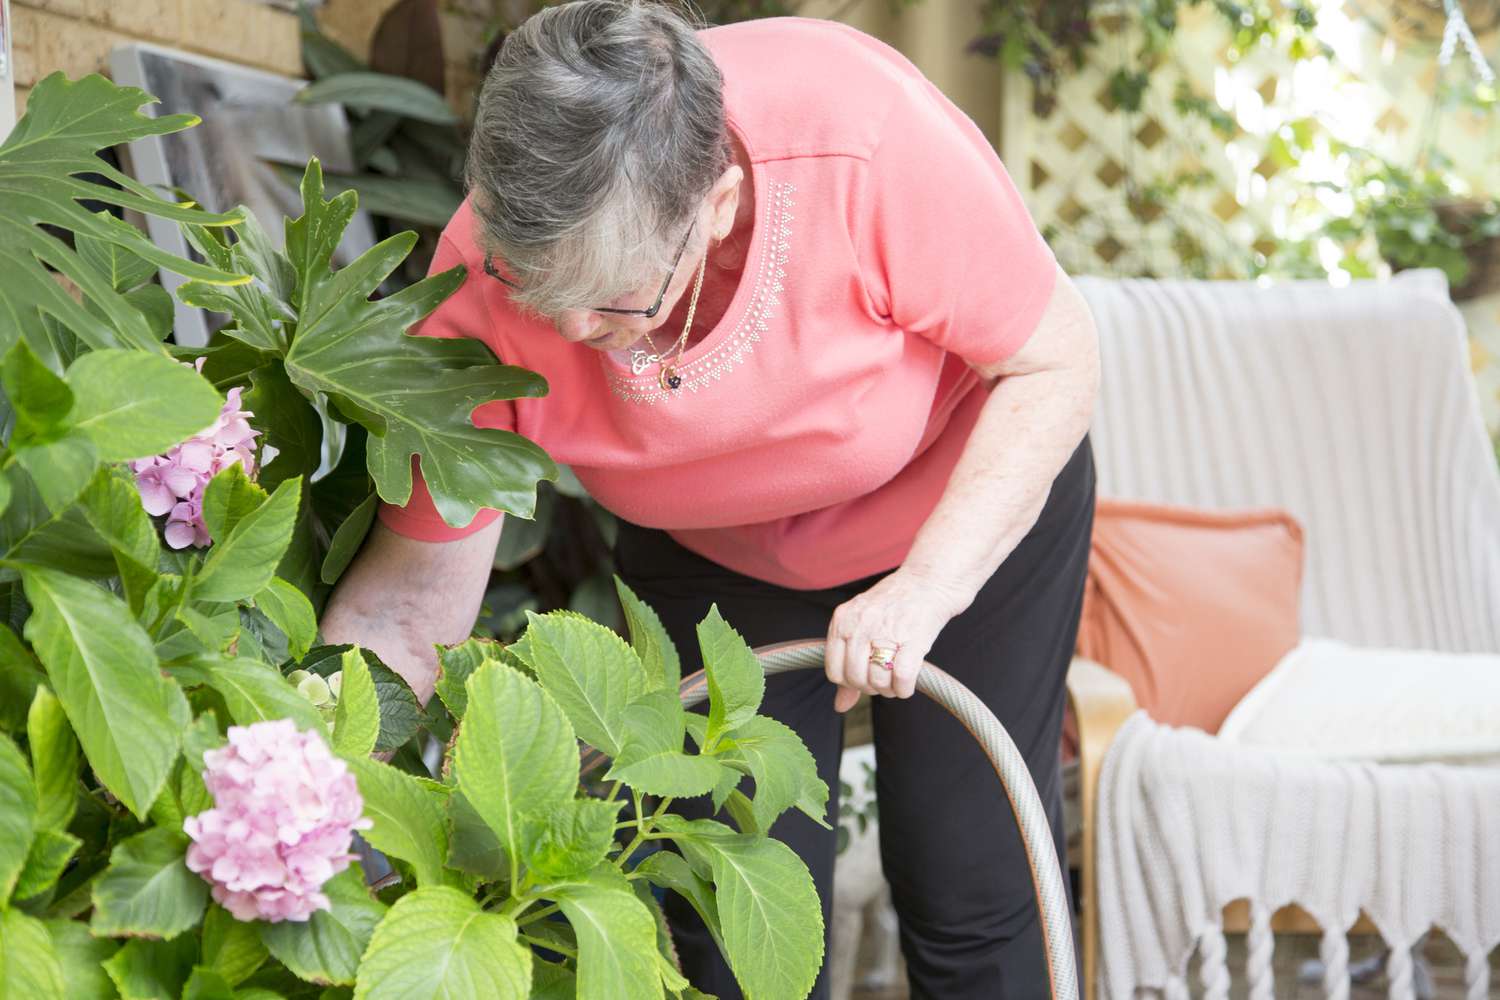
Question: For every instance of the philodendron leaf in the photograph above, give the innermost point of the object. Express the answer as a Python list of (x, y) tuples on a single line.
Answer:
[(588, 669), (29, 965), (736, 680), (54, 761), (652, 759), (784, 770), (290, 424), (381, 92), (123, 267), (44, 163), (356, 719), (261, 310), (410, 821), (240, 566), (133, 403), (616, 938), (147, 890), (516, 752), (415, 395), (436, 944), (128, 716), (770, 918), (17, 814), (650, 641), (327, 948), (570, 838)]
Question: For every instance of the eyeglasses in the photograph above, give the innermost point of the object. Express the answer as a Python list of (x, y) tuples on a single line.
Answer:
[(489, 268)]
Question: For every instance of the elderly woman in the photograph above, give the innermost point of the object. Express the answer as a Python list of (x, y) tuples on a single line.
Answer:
[(804, 340)]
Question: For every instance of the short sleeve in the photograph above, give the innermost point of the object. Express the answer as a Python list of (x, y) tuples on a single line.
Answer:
[(464, 314), (946, 247)]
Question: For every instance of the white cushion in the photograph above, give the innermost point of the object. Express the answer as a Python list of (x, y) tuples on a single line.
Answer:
[(1332, 700)]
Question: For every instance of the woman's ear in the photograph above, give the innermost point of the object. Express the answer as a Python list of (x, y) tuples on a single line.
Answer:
[(724, 201)]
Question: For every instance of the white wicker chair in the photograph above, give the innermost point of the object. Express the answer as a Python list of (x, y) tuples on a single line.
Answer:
[(1353, 409)]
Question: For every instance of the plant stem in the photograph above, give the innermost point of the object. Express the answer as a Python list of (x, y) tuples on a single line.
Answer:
[(541, 914), (561, 949)]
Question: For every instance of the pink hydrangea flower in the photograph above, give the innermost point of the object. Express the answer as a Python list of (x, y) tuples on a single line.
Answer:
[(285, 810), (173, 483)]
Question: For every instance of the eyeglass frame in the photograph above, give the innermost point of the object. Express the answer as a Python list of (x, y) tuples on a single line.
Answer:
[(489, 269)]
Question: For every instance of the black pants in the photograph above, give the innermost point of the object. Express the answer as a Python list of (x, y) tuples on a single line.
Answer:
[(959, 877)]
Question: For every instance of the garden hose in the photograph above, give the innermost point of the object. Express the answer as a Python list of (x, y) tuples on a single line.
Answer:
[(1025, 804)]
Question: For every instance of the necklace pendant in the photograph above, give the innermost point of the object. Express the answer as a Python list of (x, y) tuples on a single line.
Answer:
[(640, 361), (668, 378)]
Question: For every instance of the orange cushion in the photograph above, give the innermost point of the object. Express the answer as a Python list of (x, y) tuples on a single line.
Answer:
[(1192, 607)]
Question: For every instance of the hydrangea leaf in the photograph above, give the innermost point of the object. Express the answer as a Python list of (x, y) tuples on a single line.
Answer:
[(437, 943), (616, 938), (147, 890), (326, 949), (591, 672)]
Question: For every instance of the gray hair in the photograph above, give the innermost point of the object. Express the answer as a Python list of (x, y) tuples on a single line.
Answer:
[(597, 134)]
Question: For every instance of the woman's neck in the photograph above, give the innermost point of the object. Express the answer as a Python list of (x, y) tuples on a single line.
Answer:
[(726, 263)]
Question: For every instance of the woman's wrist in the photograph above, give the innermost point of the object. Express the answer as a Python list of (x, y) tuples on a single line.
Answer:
[(948, 589)]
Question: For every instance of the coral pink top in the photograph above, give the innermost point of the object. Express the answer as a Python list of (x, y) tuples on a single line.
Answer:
[(816, 426)]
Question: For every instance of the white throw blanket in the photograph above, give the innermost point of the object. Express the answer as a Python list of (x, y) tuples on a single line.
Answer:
[(1188, 824)]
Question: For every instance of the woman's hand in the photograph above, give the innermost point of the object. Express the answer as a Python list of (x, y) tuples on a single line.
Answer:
[(905, 611)]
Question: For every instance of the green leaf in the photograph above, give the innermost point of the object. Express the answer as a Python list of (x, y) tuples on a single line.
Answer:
[(347, 539), (20, 676), (415, 395), (356, 719), (569, 838), (552, 982), (155, 304), (82, 957), (254, 692), (153, 970), (400, 714), (455, 664), (122, 267), (45, 164), (54, 761), (33, 534), (652, 759), (227, 499), (616, 938), (588, 669), (437, 943), (328, 947), (135, 403), (49, 855), (113, 509), (207, 984), (516, 751), (410, 199), (128, 717), (784, 770), (770, 918), (650, 640), (240, 566), (60, 468), (472, 845), (261, 309), (367, 92), (289, 422), (18, 809), (147, 890), (231, 947), (29, 965), (666, 952), (39, 399), (291, 611), (410, 822), (736, 680)]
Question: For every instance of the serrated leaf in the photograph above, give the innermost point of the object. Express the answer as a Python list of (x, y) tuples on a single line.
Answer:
[(18, 808), (207, 984), (515, 753), (227, 499), (20, 675), (770, 917), (113, 508), (60, 468), (45, 166), (147, 890), (255, 692), (400, 714), (455, 664), (82, 957), (328, 947), (736, 680), (472, 845), (240, 566), (54, 761), (437, 943), (128, 717), (29, 966), (650, 640), (652, 759), (135, 403), (289, 423), (588, 669), (568, 839), (356, 719), (667, 962), (410, 821), (415, 395), (291, 611), (34, 535), (784, 770), (552, 982), (616, 938), (50, 853), (666, 870), (39, 399), (347, 539), (231, 947), (153, 970)]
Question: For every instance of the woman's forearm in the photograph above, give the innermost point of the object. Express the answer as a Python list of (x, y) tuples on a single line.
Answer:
[(1032, 423)]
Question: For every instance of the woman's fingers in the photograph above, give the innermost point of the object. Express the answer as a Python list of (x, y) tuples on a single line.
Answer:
[(907, 665)]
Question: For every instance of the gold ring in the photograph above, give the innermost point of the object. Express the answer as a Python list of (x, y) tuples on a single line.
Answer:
[(881, 656)]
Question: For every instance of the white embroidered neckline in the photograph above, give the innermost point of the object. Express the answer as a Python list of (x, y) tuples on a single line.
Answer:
[(770, 271)]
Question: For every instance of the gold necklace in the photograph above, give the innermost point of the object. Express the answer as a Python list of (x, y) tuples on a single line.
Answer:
[(667, 376)]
